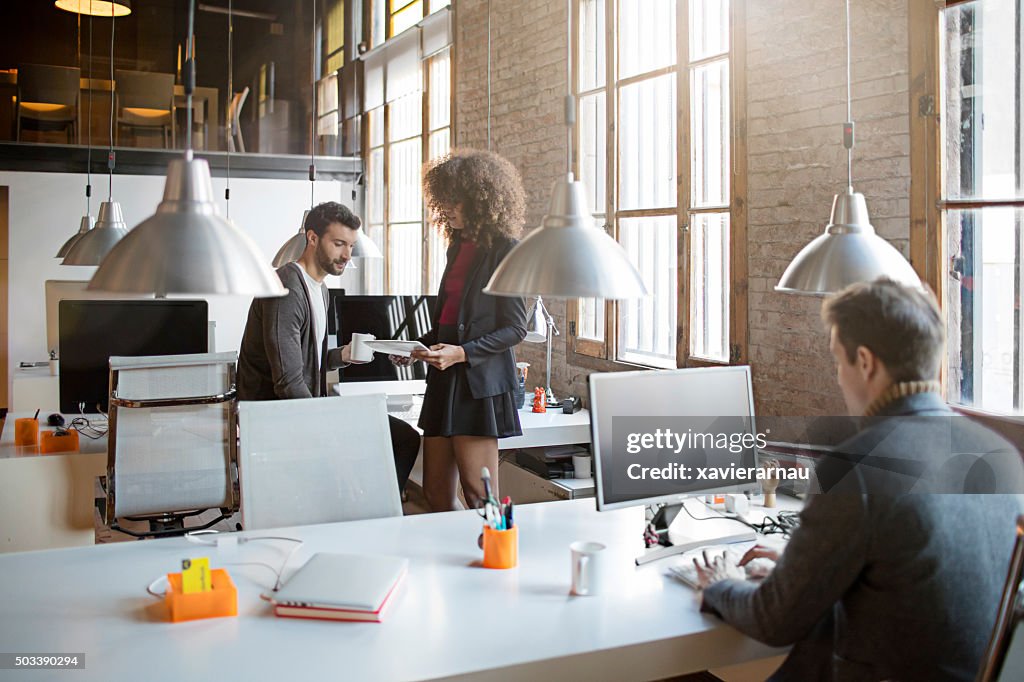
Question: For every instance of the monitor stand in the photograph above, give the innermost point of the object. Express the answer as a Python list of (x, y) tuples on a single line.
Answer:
[(661, 521)]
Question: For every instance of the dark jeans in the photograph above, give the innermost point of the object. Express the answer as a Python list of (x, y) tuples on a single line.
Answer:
[(405, 442)]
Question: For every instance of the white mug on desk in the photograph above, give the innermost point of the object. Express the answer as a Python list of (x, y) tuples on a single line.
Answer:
[(592, 566), (359, 351)]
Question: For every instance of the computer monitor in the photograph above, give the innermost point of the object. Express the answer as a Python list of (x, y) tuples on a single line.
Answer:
[(58, 290), (709, 411), (386, 317), (92, 331)]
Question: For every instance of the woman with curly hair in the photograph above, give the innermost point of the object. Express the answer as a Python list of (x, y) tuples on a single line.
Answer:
[(477, 201)]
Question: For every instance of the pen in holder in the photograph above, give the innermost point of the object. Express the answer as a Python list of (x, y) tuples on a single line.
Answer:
[(501, 547)]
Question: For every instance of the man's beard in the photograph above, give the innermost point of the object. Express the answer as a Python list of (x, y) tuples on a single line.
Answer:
[(331, 267)]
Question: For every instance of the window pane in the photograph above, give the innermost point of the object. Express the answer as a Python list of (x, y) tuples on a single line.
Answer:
[(375, 186), (647, 149), (405, 116), (647, 35), (406, 18), (376, 123), (439, 143), (709, 122), (591, 319), (592, 42), (379, 14), (647, 326), (437, 248), (439, 91), (981, 107), (404, 196), (709, 28), (593, 136), (405, 253), (982, 308), (373, 268), (438, 4), (709, 286)]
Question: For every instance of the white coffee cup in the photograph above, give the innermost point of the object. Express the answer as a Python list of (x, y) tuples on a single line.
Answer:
[(581, 466), (358, 350), (592, 569)]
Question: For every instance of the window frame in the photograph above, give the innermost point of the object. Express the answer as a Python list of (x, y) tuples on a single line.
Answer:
[(603, 354), (928, 250)]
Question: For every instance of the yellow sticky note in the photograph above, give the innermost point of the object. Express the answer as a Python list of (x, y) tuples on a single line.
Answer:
[(195, 575)]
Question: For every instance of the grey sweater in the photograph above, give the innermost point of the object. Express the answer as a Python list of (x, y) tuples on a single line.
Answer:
[(899, 586), (278, 357)]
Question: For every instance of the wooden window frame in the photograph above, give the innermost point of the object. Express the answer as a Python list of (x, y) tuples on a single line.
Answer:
[(602, 354)]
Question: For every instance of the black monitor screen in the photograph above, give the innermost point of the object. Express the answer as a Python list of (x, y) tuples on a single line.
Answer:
[(386, 317), (92, 331)]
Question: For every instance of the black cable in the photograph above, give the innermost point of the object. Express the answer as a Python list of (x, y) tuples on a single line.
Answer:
[(718, 516)]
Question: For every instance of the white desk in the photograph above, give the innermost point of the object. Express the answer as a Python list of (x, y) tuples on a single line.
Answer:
[(47, 500), (450, 619)]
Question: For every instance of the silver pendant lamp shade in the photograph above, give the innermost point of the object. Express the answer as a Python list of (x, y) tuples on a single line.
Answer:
[(849, 251), (537, 331), (186, 247), (87, 224), (293, 248), (366, 248), (93, 246), (567, 256)]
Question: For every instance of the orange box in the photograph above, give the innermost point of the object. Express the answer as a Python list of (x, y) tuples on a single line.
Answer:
[(50, 441), (221, 600), (26, 431), (501, 547)]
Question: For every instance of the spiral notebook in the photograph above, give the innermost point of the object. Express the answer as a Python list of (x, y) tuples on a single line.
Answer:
[(341, 587)]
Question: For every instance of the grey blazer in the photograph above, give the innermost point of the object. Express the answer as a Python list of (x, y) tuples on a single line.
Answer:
[(899, 586), (278, 357)]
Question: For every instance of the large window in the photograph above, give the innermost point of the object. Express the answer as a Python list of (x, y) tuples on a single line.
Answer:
[(654, 140), (408, 95), (975, 253)]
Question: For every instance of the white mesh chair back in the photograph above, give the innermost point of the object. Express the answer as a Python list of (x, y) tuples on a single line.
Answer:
[(317, 460)]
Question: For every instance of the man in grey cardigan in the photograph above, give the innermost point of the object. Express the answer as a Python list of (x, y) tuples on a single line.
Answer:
[(885, 579), (284, 347)]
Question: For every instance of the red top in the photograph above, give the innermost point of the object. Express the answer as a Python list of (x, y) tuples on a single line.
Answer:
[(455, 281)]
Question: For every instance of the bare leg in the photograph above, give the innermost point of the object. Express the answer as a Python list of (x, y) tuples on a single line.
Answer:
[(472, 453), (439, 474)]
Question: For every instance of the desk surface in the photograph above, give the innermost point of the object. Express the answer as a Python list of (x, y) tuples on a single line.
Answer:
[(451, 619)]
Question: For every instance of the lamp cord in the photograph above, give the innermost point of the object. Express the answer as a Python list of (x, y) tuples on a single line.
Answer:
[(849, 102), (110, 151), (570, 98), (88, 133), (190, 76), (488, 75), (231, 98), (312, 118)]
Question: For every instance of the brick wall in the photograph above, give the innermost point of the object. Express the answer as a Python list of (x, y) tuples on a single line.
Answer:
[(796, 83)]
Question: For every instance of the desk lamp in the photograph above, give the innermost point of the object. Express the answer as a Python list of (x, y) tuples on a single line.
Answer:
[(542, 329)]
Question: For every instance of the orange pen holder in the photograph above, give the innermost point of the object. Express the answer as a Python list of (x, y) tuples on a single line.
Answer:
[(501, 547), (26, 431), (221, 600), (51, 441)]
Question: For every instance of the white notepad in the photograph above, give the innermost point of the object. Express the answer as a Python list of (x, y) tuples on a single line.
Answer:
[(352, 582)]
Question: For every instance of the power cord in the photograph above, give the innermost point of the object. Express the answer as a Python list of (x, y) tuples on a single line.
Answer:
[(228, 541)]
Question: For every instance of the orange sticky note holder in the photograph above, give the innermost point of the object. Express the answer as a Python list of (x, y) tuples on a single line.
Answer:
[(221, 600), (50, 441), (501, 547)]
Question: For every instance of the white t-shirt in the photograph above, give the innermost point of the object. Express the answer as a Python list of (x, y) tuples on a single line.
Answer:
[(316, 298)]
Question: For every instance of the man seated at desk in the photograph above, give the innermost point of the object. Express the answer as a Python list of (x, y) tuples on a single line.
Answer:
[(880, 581), (284, 347)]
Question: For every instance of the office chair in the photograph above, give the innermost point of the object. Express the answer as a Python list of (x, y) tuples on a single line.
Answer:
[(317, 460), (1004, 656), (172, 446), (146, 100), (48, 97), (234, 113)]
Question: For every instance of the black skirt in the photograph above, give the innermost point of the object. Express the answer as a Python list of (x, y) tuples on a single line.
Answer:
[(449, 408)]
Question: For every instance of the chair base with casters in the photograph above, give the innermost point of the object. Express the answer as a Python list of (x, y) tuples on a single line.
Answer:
[(172, 452)]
